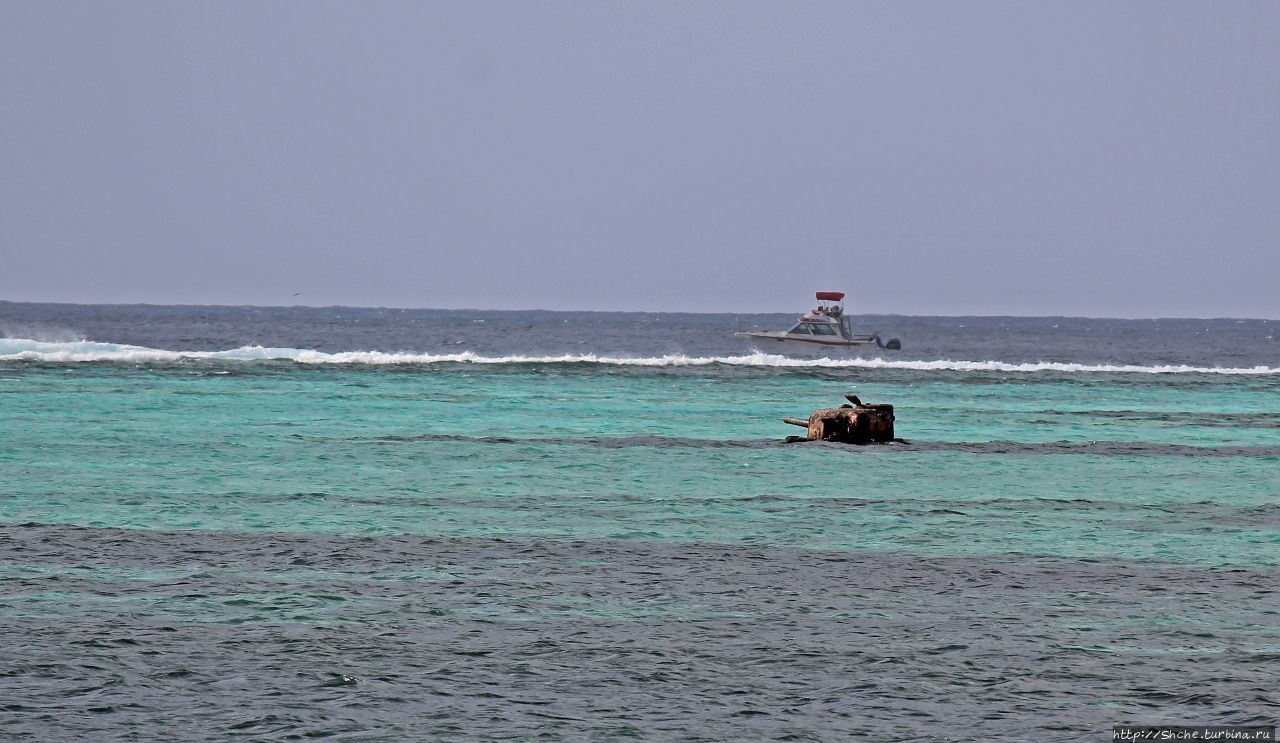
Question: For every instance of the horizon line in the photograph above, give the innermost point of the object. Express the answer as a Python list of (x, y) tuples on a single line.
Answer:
[(611, 312)]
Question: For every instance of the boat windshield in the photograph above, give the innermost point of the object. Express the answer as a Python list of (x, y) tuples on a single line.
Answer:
[(812, 328)]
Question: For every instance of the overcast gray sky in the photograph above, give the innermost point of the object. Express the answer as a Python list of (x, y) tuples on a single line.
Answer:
[(1080, 158)]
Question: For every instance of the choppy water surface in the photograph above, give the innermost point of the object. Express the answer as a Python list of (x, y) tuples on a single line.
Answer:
[(418, 524)]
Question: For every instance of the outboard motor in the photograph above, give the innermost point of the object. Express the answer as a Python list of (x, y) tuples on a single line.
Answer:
[(893, 344)]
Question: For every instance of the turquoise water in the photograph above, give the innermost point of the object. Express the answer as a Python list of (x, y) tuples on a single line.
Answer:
[(398, 545), (579, 452)]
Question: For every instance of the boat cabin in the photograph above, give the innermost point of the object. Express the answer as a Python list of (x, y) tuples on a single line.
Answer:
[(813, 328), (826, 319)]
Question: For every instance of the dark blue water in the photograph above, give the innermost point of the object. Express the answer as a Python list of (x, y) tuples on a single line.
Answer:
[(1191, 342)]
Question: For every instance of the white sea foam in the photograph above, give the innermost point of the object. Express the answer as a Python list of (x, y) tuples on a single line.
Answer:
[(21, 349)]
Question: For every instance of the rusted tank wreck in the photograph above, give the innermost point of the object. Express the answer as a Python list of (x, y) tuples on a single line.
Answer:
[(852, 423)]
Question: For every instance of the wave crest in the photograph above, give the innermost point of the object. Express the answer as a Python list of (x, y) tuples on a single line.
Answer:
[(22, 349)]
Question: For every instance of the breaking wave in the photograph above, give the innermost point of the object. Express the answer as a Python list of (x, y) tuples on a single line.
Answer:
[(21, 349)]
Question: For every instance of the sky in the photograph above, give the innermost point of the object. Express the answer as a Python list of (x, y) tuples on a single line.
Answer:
[(1115, 159)]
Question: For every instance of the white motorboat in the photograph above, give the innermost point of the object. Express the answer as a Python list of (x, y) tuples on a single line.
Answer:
[(822, 331)]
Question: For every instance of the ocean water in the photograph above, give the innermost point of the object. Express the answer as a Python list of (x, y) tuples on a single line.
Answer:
[(421, 524)]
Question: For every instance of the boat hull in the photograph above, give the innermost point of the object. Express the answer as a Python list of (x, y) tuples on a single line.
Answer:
[(789, 345)]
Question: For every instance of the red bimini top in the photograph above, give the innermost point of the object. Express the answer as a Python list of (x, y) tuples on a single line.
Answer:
[(830, 296)]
